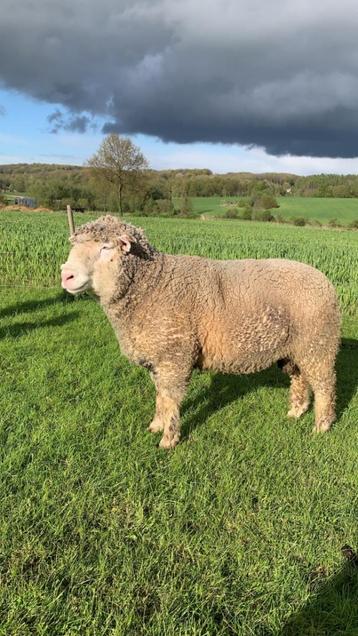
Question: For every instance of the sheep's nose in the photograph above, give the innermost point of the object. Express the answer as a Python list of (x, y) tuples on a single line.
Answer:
[(66, 275)]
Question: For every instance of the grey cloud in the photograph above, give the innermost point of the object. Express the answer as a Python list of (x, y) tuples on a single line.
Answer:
[(282, 75), (56, 120), (73, 123), (2, 110)]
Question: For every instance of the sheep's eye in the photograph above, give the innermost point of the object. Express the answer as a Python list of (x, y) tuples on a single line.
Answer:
[(105, 253)]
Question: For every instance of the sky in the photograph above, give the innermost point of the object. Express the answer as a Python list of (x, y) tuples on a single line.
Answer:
[(229, 85)]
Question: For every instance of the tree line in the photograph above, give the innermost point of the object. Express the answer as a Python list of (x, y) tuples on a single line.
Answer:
[(118, 178)]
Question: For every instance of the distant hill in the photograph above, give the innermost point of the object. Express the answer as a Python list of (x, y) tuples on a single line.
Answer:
[(51, 168), (35, 168)]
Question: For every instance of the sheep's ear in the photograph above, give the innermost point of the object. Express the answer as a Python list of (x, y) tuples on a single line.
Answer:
[(125, 242)]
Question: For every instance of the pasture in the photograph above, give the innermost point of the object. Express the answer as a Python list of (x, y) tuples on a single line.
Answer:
[(237, 531), (319, 209)]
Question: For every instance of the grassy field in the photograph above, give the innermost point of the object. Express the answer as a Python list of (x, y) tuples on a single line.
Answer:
[(320, 209), (237, 531), (324, 210)]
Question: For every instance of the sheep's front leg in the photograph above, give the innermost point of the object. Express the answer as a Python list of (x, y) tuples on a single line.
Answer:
[(157, 423), (171, 421), (170, 392)]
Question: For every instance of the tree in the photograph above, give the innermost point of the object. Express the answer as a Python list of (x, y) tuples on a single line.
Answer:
[(186, 206), (119, 163)]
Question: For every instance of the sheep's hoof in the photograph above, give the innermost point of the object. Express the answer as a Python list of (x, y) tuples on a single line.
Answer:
[(168, 443), (155, 426), (323, 425), (297, 411)]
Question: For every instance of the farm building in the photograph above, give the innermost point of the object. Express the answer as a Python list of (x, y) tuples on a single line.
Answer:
[(26, 201)]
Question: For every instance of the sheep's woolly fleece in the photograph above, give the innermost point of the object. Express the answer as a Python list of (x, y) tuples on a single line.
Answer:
[(174, 313), (108, 229)]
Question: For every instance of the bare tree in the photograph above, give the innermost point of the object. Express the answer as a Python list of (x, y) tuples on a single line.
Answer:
[(118, 162)]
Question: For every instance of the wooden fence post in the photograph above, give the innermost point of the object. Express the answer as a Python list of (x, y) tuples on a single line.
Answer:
[(70, 219)]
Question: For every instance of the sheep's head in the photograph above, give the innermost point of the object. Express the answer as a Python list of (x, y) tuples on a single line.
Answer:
[(103, 256)]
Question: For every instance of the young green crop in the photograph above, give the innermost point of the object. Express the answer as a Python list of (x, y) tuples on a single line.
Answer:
[(34, 245)]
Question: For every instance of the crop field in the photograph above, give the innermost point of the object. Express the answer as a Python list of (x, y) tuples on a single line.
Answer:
[(238, 531), (311, 208)]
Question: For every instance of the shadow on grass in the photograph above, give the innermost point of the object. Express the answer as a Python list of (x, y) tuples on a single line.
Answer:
[(225, 389), (333, 610), (347, 374), (22, 328), (33, 305)]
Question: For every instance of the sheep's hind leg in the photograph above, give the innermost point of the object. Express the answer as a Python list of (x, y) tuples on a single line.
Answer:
[(299, 395), (322, 378), (325, 398), (299, 389)]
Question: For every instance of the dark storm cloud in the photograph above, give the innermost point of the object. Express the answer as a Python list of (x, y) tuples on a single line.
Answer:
[(281, 74)]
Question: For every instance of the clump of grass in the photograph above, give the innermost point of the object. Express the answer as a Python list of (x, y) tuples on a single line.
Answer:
[(299, 221), (231, 213)]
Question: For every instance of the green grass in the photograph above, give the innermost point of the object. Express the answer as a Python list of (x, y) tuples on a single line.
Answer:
[(324, 210), (210, 205), (236, 531), (320, 209)]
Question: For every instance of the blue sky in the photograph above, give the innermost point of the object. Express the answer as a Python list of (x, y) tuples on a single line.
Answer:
[(25, 137)]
